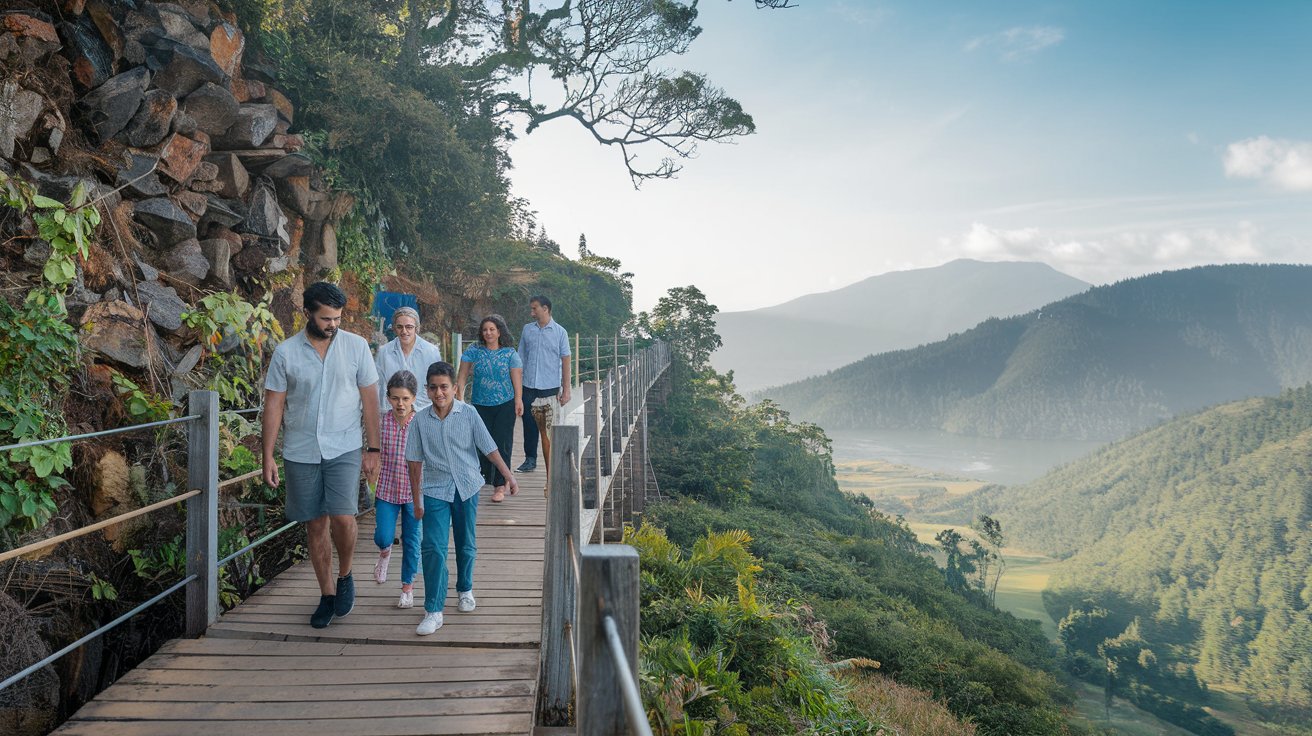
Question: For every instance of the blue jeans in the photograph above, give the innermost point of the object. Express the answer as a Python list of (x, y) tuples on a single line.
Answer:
[(458, 517), (385, 513)]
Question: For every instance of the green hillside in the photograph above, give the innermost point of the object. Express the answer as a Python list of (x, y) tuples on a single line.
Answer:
[(1097, 365), (1202, 528)]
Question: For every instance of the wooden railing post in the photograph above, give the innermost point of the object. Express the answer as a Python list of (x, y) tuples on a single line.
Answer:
[(592, 428), (559, 593), (203, 512), (608, 585), (608, 423)]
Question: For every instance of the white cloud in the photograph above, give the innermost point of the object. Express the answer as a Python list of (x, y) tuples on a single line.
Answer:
[(1019, 43), (1129, 253), (1282, 163)]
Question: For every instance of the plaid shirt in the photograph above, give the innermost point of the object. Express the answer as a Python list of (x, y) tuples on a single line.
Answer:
[(393, 476)]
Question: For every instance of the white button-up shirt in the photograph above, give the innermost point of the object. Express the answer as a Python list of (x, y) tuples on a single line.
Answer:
[(391, 358), (323, 415), (541, 349)]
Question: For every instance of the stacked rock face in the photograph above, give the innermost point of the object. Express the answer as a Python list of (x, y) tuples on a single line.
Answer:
[(191, 144)]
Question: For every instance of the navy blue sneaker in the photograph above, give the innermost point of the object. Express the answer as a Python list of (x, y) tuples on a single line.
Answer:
[(323, 615), (528, 466), (345, 602)]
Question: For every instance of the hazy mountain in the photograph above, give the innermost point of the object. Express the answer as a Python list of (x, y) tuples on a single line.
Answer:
[(819, 332), (1097, 365), (1201, 527)]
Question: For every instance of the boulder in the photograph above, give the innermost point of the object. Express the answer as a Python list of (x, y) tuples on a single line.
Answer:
[(103, 18), (197, 12), (180, 156), (182, 69), (250, 129), (247, 90), (226, 46), (218, 252), (295, 164), (162, 305), (206, 171), (19, 110), (29, 26), (265, 217), (234, 240), (139, 177), (153, 119), (195, 203), (284, 106), (232, 177), (188, 361), (93, 60), (222, 212), (294, 191), (110, 106), (117, 330), (177, 26), (169, 222), (53, 124), (62, 187), (212, 107), (185, 262)]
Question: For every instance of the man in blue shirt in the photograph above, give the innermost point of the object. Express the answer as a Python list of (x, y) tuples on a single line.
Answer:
[(321, 391), (442, 448), (544, 349)]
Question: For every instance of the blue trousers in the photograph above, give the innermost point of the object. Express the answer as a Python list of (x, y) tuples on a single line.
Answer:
[(385, 513), (441, 519)]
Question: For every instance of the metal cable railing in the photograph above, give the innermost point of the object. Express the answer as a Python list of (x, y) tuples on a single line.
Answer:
[(201, 580)]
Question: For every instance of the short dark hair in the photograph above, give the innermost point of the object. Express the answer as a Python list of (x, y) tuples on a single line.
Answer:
[(503, 332), (441, 368), (540, 300), (323, 294), (405, 380)]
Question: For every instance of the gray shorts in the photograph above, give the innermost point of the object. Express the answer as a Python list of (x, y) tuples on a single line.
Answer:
[(328, 487)]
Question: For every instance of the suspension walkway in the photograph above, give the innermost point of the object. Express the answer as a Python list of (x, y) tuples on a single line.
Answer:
[(551, 648), (263, 670)]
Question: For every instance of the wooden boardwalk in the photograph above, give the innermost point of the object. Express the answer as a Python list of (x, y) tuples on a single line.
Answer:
[(263, 670)]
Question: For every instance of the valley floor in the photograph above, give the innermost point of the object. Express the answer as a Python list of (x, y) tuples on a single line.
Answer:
[(897, 487)]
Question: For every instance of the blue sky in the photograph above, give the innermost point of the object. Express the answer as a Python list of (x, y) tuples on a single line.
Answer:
[(1108, 139)]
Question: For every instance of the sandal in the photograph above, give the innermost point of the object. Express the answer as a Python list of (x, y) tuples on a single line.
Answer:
[(499, 494)]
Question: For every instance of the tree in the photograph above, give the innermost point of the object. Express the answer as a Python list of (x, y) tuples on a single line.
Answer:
[(686, 320), (991, 530), (606, 265), (600, 62), (957, 566)]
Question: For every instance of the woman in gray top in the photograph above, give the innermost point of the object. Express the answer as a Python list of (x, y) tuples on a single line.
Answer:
[(408, 352)]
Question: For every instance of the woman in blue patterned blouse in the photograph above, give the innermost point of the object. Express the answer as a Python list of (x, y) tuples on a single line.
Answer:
[(497, 391)]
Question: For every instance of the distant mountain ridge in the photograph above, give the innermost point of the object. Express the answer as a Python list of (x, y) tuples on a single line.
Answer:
[(1097, 365), (816, 333), (1202, 527)]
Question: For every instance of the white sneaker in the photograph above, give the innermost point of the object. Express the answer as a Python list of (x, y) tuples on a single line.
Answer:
[(432, 622), (407, 599), (380, 567), (467, 601)]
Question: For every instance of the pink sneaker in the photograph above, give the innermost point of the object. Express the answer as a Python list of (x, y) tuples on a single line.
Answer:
[(380, 567)]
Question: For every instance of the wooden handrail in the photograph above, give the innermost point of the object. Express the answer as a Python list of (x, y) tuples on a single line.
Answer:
[(89, 528)]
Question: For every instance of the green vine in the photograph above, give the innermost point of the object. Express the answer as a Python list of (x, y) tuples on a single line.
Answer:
[(39, 351), (235, 376)]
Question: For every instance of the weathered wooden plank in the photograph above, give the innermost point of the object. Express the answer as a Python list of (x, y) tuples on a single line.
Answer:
[(346, 675), (111, 710), (371, 726), (345, 632), (448, 657), (316, 693)]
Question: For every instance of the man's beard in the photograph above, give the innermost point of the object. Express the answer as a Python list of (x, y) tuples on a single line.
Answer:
[(319, 334)]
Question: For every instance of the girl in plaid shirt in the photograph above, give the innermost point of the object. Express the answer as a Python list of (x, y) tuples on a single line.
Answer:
[(393, 494)]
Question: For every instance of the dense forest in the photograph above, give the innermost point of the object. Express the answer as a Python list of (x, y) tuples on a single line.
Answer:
[(1198, 534), (1097, 365), (869, 590)]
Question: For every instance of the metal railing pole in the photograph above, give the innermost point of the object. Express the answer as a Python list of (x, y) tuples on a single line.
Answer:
[(203, 512)]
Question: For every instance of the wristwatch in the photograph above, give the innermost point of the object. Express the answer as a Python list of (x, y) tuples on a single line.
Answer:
[(372, 449)]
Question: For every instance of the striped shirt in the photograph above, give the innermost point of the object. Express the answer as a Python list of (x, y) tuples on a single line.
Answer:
[(541, 349), (393, 476), (449, 449)]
